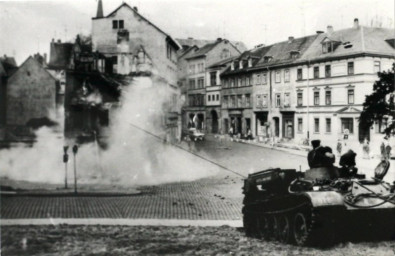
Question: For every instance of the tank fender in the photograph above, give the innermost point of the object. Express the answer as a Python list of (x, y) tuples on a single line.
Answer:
[(327, 198)]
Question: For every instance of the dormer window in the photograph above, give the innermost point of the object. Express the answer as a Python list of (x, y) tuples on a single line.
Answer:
[(329, 45), (250, 63), (267, 59), (240, 64), (232, 66), (294, 54)]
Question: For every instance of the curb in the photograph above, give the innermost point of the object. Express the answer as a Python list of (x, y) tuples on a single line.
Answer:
[(122, 222)]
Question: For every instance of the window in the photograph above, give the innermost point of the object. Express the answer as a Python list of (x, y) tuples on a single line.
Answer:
[(278, 76), (287, 100), (239, 82), (225, 101), (350, 68), (264, 100), (350, 94), (316, 98), (208, 97), (278, 100), (213, 78), (121, 24), (259, 101), (200, 83), (114, 24), (316, 125), (300, 125), (191, 69), (264, 78), (300, 74), (327, 70), (232, 82), (225, 82), (286, 75), (249, 62), (192, 83), (377, 66), (217, 97), (327, 47), (328, 97), (241, 64), (243, 81), (258, 79), (347, 124), (233, 101), (248, 100), (200, 67), (316, 72), (328, 125), (300, 99), (247, 80), (239, 101)]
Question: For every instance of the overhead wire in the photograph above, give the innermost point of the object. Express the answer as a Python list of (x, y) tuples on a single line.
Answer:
[(190, 152)]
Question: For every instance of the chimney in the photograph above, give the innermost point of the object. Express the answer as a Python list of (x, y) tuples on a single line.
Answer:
[(329, 29), (53, 41), (99, 13), (319, 32), (135, 8), (290, 39), (356, 23), (59, 41), (219, 39)]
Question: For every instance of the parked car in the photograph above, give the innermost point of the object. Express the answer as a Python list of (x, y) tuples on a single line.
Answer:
[(195, 135)]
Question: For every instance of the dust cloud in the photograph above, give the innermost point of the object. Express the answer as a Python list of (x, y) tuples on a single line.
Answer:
[(132, 157)]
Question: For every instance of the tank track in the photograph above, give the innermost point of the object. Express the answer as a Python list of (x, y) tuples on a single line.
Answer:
[(302, 225)]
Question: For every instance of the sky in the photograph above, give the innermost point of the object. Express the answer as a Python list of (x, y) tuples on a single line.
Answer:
[(27, 27)]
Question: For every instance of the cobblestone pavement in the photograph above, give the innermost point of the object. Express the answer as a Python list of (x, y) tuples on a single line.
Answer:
[(214, 198)]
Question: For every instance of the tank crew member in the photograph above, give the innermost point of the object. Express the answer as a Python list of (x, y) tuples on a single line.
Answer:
[(347, 163), (320, 156)]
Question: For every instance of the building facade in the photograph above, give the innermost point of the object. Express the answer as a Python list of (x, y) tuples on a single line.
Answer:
[(338, 71), (198, 79), (140, 49)]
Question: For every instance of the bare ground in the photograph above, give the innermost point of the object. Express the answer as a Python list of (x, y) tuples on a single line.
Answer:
[(143, 240)]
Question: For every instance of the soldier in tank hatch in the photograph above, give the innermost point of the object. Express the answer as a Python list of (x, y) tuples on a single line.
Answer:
[(320, 156)]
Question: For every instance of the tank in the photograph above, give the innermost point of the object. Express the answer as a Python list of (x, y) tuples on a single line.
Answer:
[(317, 207)]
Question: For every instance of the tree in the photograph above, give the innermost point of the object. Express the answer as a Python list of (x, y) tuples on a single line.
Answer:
[(380, 104)]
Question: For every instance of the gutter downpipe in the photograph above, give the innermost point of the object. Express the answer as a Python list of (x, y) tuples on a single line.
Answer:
[(269, 116)]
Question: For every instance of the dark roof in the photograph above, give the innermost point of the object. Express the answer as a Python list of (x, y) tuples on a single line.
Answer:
[(361, 39), (185, 50), (60, 55), (168, 38), (281, 52), (201, 42), (208, 47), (204, 50), (255, 54), (223, 62), (8, 60)]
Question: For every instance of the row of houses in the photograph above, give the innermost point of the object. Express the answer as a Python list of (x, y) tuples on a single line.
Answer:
[(298, 89)]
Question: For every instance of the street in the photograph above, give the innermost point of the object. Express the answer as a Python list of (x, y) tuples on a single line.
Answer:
[(216, 197)]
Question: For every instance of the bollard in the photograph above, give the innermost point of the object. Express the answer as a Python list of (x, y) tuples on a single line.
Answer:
[(65, 160), (75, 150)]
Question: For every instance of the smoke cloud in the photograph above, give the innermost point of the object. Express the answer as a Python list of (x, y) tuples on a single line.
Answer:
[(132, 156)]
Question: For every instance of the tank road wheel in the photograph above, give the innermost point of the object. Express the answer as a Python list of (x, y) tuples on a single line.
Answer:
[(261, 227), (275, 227), (283, 228), (301, 228)]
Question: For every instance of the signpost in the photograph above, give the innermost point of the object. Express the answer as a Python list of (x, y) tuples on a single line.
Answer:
[(65, 160)]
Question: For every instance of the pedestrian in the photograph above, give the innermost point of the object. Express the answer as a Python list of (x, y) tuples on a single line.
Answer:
[(249, 134), (231, 133), (366, 149), (339, 147), (387, 148)]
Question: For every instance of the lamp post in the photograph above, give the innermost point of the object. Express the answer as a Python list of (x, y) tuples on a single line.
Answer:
[(65, 160)]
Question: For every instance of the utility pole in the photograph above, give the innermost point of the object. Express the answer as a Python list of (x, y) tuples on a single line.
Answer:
[(308, 101)]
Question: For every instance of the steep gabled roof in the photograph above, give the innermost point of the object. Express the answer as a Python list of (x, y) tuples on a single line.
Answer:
[(208, 47), (168, 37), (359, 40), (36, 63), (201, 42), (280, 53)]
